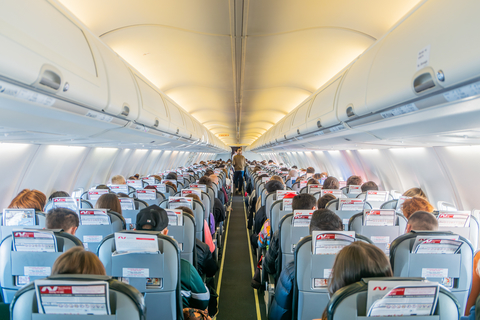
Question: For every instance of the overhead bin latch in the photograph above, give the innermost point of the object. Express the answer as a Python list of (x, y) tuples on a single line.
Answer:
[(50, 78), (350, 112), (126, 111), (424, 80)]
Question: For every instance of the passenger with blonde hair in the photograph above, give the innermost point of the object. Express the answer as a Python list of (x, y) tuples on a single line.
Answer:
[(118, 179), (77, 260), (29, 199), (354, 262), (415, 192)]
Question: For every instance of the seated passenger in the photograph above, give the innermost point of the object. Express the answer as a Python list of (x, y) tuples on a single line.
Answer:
[(261, 215), (222, 193), (317, 176), (171, 176), (409, 206), (369, 185), (206, 229), (206, 264), (109, 201), (218, 208), (64, 219), (322, 202), (118, 179), (171, 184), (194, 293), (422, 221), (415, 192), (292, 174), (58, 194), (281, 307), (77, 260), (29, 199), (354, 262), (313, 181), (158, 179), (310, 171), (354, 180), (102, 186), (475, 291), (331, 183), (278, 178), (302, 201)]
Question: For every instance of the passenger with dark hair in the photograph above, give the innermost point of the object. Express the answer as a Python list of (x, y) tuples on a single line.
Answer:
[(239, 163), (310, 170), (302, 201), (64, 219), (109, 201), (172, 176), (331, 183), (410, 206), (326, 198), (209, 172), (29, 199), (281, 307), (354, 262), (194, 293), (218, 209), (312, 181), (317, 176), (422, 221), (58, 194), (102, 186), (77, 260), (261, 215), (369, 185), (354, 180)]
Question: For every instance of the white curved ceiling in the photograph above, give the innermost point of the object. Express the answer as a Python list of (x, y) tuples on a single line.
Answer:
[(239, 66)]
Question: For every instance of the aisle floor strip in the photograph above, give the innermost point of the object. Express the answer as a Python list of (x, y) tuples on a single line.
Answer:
[(255, 291), (220, 274)]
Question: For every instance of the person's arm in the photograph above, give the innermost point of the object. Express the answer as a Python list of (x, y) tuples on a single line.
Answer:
[(475, 285), (195, 293)]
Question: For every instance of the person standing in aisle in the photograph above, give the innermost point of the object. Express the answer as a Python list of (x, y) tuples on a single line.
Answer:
[(239, 163)]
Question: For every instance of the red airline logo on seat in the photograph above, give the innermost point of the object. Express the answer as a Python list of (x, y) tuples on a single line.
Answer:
[(380, 288)]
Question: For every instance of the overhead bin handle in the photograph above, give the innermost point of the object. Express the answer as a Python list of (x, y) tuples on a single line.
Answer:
[(423, 82), (50, 78)]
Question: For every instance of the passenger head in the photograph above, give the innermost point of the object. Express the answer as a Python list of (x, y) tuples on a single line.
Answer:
[(331, 183), (295, 167), (193, 195), (312, 181), (29, 199), (356, 261), (322, 202), (325, 220), (415, 192), (278, 178), (214, 178), (310, 170), (118, 179), (410, 206), (77, 260), (109, 201), (354, 180), (369, 185), (171, 176), (273, 186), (152, 218), (206, 181), (102, 186), (317, 176), (186, 210), (422, 221), (132, 178), (303, 201), (293, 173), (62, 218), (58, 194), (170, 183), (150, 187), (209, 172), (157, 177)]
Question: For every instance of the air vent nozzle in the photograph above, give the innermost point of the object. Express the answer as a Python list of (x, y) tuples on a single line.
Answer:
[(350, 112)]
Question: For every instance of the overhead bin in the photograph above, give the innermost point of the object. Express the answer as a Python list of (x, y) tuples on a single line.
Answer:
[(298, 121), (43, 47), (435, 48), (322, 111), (153, 112)]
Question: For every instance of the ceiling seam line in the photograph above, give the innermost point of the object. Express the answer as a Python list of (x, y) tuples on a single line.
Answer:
[(313, 28), (243, 62), (163, 26), (234, 56)]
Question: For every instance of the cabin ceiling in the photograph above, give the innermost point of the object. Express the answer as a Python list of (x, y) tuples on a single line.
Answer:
[(239, 66)]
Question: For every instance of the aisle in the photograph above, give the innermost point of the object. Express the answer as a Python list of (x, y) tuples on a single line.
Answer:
[(237, 297)]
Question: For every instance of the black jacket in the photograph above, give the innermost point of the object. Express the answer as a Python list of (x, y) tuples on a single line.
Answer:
[(205, 262), (281, 308), (272, 258), (218, 212)]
